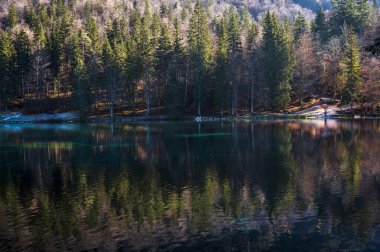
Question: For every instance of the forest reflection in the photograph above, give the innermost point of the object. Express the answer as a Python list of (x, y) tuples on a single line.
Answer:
[(187, 186)]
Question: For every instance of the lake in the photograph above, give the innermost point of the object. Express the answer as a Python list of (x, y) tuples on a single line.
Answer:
[(185, 186)]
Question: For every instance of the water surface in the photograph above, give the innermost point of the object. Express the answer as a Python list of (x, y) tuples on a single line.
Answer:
[(279, 186)]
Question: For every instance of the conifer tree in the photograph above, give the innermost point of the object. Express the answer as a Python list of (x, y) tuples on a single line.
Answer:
[(7, 54), (23, 50), (235, 56), (200, 49), (277, 61), (353, 13), (43, 15), (222, 85), (163, 54), (300, 26), (173, 92), (134, 57), (31, 18), (56, 55), (12, 16), (252, 60), (147, 55), (108, 58), (79, 73), (350, 69), (319, 27), (94, 63), (40, 61)]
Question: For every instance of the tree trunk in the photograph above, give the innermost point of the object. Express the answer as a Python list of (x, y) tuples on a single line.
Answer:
[(252, 93), (147, 94)]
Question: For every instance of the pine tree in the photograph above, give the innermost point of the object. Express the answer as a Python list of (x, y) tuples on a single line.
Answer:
[(43, 15), (173, 92), (40, 61), (108, 58), (200, 50), (12, 16), (353, 13), (163, 54), (147, 53), (252, 60), (235, 56), (134, 58), (319, 27), (56, 55), (7, 54), (300, 26), (222, 85), (350, 69), (277, 61), (94, 63), (287, 56), (23, 49), (79, 73), (31, 18)]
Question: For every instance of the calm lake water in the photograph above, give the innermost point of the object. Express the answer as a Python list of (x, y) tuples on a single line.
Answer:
[(279, 186)]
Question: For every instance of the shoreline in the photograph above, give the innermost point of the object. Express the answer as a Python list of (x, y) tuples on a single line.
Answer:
[(40, 119)]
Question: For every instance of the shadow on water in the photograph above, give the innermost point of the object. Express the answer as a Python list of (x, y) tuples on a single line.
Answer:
[(278, 185)]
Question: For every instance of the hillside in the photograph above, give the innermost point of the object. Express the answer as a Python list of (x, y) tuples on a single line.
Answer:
[(256, 7), (182, 57)]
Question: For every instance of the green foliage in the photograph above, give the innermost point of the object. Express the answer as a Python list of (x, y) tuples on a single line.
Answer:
[(136, 55), (200, 49), (235, 51), (23, 60), (350, 69), (300, 26), (319, 26), (277, 61), (173, 91), (7, 64), (12, 16), (353, 13), (222, 85), (79, 73)]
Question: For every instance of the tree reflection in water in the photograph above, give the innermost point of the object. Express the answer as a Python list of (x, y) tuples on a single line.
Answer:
[(185, 186)]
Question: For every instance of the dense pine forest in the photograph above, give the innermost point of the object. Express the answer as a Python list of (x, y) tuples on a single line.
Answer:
[(102, 57)]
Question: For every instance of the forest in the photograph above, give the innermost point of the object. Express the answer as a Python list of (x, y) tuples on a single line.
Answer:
[(123, 58)]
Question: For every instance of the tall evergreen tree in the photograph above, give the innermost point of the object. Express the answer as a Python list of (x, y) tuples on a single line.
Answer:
[(200, 49), (147, 55), (163, 54), (12, 16), (353, 13), (40, 61), (300, 26), (252, 60), (277, 61), (7, 54), (23, 49), (350, 69), (235, 56), (79, 73), (94, 63), (319, 27), (108, 58), (173, 92), (222, 85)]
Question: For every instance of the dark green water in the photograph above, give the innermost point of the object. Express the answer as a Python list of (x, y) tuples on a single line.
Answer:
[(279, 186)]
